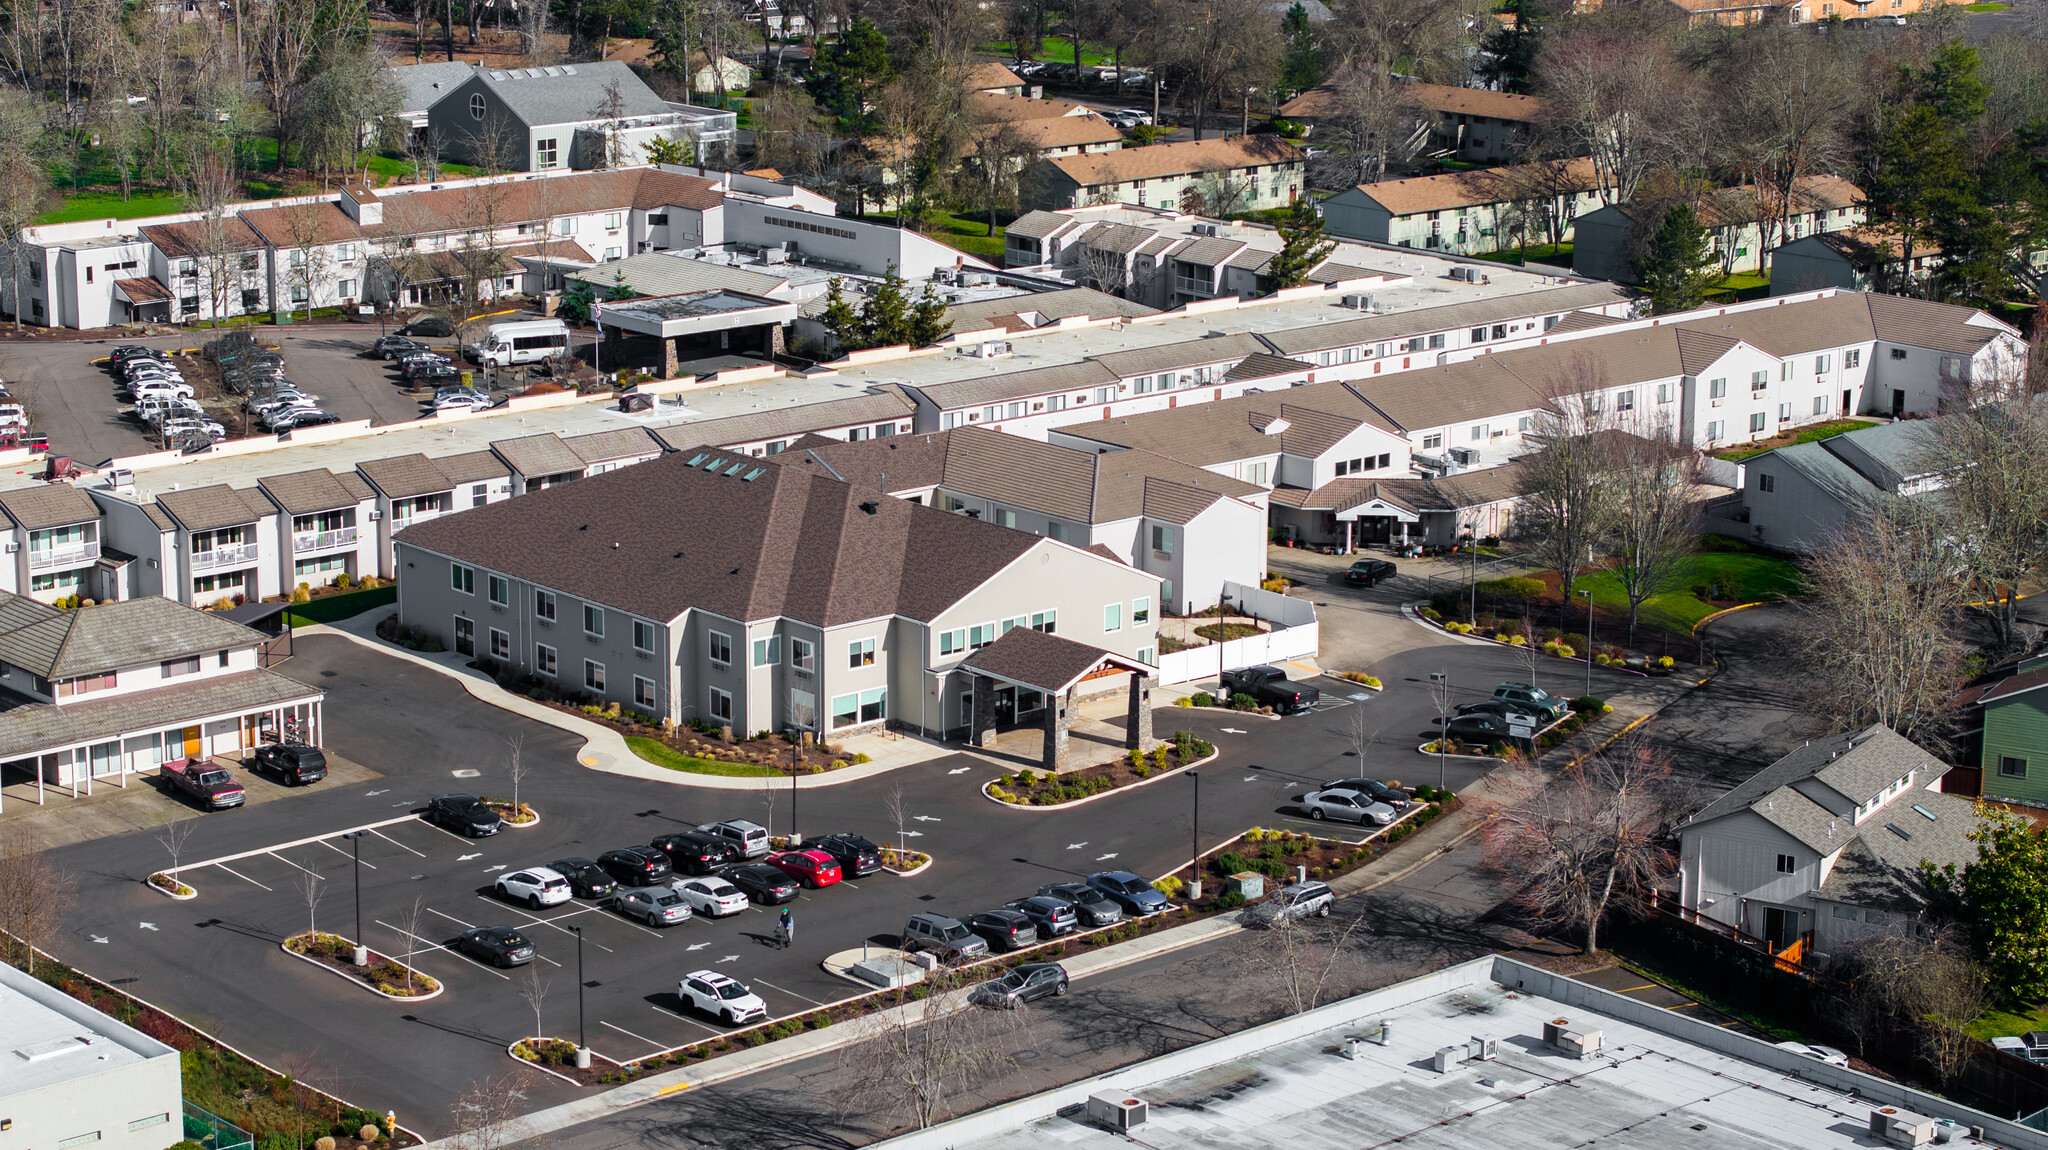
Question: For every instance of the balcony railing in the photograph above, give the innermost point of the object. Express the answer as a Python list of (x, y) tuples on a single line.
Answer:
[(233, 555), (303, 541), (1200, 287), (73, 556)]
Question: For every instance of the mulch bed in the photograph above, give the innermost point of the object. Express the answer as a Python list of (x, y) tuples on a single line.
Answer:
[(1047, 789), (337, 952)]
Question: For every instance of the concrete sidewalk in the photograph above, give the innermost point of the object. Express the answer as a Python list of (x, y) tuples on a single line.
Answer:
[(604, 749)]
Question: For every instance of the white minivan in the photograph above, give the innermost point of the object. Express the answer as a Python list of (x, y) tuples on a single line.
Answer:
[(529, 342)]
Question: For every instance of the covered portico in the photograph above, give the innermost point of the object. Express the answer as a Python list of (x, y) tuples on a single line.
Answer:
[(1053, 669)]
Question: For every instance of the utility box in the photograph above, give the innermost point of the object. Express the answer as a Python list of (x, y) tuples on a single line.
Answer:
[(1119, 1112), (1249, 884), (1901, 1127)]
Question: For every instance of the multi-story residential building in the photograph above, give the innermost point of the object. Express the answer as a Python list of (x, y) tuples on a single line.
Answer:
[(538, 462), (1478, 125), (414, 489), (1050, 127), (880, 411), (53, 547), (100, 693), (590, 115), (1739, 235), (1489, 210), (1824, 847), (1802, 497), (323, 527), (1243, 173), (758, 595), (2005, 728)]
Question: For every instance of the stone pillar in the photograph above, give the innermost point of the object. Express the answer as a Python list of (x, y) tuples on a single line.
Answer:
[(670, 364), (1059, 718), (1138, 727), (982, 732)]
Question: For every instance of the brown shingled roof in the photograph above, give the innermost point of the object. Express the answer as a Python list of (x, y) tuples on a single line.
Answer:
[(206, 508), (305, 492), (1126, 164), (51, 505), (189, 238), (1047, 662)]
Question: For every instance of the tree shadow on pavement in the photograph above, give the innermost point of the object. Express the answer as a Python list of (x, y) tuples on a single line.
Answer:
[(758, 1118), (1408, 930)]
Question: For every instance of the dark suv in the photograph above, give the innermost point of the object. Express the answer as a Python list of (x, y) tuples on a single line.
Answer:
[(696, 852), (586, 878), (464, 814), (293, 762), (637, 866), (763, 885), (1004, 929), (858, 858)]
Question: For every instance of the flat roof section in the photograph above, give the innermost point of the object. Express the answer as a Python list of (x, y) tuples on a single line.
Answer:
[(691, 312), (1657, 1081), (51, 1037)]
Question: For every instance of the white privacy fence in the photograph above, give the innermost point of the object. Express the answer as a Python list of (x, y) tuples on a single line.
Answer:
[(1295, 633)]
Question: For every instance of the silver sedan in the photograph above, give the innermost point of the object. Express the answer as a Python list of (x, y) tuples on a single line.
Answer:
[(1345, 806), (654, 905)]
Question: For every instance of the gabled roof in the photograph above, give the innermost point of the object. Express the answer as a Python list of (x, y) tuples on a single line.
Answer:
[(421, 86), (2018, 684), (124, 633), (207, 508), (881, 402), (1068, 132), (1068, 303), (751, 539), (992, 74), (570, 93), (1445, 317), (1048, 662), (1260, 365), (1003, 107), (44, 726), (537, 455), (1881, 867), (1126, 164), (1440, 98), (606, 446), (1853, 768), (190, 238), (305, 492), (1039, 224), (1471, 189), (51, 505)]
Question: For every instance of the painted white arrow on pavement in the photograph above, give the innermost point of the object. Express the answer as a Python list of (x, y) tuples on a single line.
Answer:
[(959, 770), (698, 945), (1105, 858), (1251, 778), (147, 925), (98, 938), (928, 818), (374, 794), (466, 858), (1230, 730), (1075, 846), (913, 834), (729, 958), (489, 869)]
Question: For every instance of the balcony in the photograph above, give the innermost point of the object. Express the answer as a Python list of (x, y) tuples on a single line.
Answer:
[(304, 541), (1191, 286), (232, 555), (76, 555)]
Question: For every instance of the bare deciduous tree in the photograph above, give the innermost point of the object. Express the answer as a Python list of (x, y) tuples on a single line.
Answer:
[(486, 1116), (535, 992), (1880, 614), (1656, 481), (311, 885), (34, 894), (898, 808), (1923, 988), (1605, 93), (173, 835), (1568, 501), (1989, 448), (1299, 964), (771, 793), (1581, 845), (920, 1055), (409, 930), (23, 184), (307, 257), (516, 768)]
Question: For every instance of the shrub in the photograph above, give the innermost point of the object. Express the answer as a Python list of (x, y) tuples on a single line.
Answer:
[(1008, 779), (1141, 770), (1202, 699), (368, 1133), (1429, 612), (324, 1142), (1587, 703), (1230, 899), (1159, 761), (1244, 702), (1515, 586), (696, 1052), (341, 581), (1183, 701), (1136, 758), (1603, 660), (1190, 746), (861, 757), (1666, 662), (1169, 886), (1027, 778)]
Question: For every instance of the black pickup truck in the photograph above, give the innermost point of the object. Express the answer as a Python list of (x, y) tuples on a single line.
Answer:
[(211, 786), (1270, 687)]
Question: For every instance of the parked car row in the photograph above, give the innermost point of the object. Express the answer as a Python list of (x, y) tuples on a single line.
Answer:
[(1361, 801), (420, 367), (1060, 908), (162, 397)]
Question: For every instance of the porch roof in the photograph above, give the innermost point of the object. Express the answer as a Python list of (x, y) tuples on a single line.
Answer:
[(42, 727), (1045, 662)]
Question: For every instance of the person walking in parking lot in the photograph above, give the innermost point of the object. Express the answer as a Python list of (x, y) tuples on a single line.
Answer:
[(786, 928)]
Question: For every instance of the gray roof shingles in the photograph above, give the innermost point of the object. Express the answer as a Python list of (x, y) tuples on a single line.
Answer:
[(124, 633), (42, 726), (51, 505)]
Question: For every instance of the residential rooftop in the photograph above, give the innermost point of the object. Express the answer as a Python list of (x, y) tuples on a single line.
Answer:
[(1658, 1080)]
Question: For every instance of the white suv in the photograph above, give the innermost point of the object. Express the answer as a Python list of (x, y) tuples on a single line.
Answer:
[(535, 886), (728, 998)]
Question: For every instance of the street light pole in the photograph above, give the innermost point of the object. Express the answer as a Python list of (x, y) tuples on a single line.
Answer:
[(1440, 690), (796, 758), (1472, 543), (362, 955), (1195, 843), (1589, 640), (582, 1045)]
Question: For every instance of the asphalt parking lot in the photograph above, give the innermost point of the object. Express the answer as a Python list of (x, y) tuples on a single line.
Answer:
[(74, 401)]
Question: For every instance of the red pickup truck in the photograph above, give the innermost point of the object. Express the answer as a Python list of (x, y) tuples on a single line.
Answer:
[(213, 787)]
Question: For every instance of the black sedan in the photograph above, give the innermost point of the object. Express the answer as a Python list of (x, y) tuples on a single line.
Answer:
[(1508, 709), (1367, 572), (762, 884), (858, 858), (696, 852), (586, 878), (497, 945), (1004, 929), (1030, 981), (464, 814), (432, 327), (394, 346), (637, 866), (1483, 729)]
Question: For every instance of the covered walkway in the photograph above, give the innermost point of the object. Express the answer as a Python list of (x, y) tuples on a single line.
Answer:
[(1028, 671)]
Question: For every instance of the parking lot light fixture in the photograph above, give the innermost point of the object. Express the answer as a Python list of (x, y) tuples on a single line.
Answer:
[(1195, 843), (1588, 593), (1472, 545), (1440, 693), (362, 955), (582, 1045)]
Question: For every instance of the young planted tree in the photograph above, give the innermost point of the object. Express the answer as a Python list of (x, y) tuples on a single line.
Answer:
[(486, 1116), (922, 1055), (1585, 844), (310, 885), (897, 806), (516, 769), (173, 835), (534, 992)]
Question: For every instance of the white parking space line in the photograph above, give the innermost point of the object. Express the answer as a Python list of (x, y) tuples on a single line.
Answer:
[(422, 945), (293, 865), (786, 990), (372, 828), (453, 919), (422, 820), (350, 855), (641, 1037), (480, 966), (531, 920), (395, 842), (240, 875), (686, 1018)]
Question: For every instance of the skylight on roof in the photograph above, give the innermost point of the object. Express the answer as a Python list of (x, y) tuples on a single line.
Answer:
[(736, 468), (750, 476), (715, 464), (1924, 813), (696, 459), (1899, 831)]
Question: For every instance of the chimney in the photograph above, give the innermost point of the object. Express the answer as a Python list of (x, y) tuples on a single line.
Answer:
[(870, 506)]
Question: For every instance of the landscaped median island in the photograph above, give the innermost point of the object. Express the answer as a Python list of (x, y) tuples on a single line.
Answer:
[(386, 976), (1585, 709), (520, 815), (1030, 788), (172, 885)]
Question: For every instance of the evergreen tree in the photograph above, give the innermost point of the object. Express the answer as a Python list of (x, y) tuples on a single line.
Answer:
[(885, 321), (1918, 166), (840, 319), (1302, 247), (1950, 85), (620, 289), (1976, 251), (928, 322), (1508, 53), (2003, 899), (850, 72), (1675, 267), (1303, 64), (576, 301)]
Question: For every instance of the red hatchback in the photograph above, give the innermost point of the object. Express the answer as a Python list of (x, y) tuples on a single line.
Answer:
[(811, 868)]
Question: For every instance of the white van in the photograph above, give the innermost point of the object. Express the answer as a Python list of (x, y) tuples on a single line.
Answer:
[(508, 343)]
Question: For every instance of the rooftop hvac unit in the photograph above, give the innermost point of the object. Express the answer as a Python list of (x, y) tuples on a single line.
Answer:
[(1461, 272), (1117, 1111), (1359, 302), (1897, 1127), (1204, 229), (1466, 457), (990, 348), (1558, 1033), (775, 254)]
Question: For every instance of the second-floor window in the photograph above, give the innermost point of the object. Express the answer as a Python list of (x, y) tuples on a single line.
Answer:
[(546, 154), (85, 684), (544, 605), (768, 652), (1162, 538), (173, 668), (499, 589), (802, 655), (860, 653), (1787, 864), (719, 648), (462, 578), (643, 635), (593, 621), (1141, 611)]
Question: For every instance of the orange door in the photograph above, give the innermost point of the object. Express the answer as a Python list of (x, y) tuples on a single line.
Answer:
[(191, 742)]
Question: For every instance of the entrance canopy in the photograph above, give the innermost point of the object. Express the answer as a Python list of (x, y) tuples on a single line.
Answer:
[(1047, 663)]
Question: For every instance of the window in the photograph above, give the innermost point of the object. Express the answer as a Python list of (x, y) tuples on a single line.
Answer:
[(1437, 341), (1433, 442), (1756, 421), (1113, 617), (565, 226), (952, 642), (1766, 483), (801, 655), (1784, 413), (78, 1140), (1054, 529), (593, 621), (1626, 401), (860, 653), (1898, 353), (145, 1123), (544, 659), (874, 705), (546, 154), (1820, 364), (611, 220), (643, 692), (1787, 864), (2012, 767), (1820, 405), (1005, 518), (173, 668), (1255, 473), (498, 589), (1045, 621), (593, 675), (1840, 911), (768, 652), (643, 635), (1478, 431), (1853, 357), (1141, 611), (544, 605), (1714, 431), (479, 495), (462, 578), (981, 636), (1162, 538), (1478, 335), (845, 710), (476, 106), (1716, 388), (346, 289), (720, 648), (501, 644), (721, 705)]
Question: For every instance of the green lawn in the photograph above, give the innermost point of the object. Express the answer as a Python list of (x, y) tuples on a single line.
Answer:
[(110, 206), (662, 755), (1742, 575), (332, 607), (1052, 51), (1987, 6), (1808, 435), (967, 231), (2007, 1021), (1560, 254)]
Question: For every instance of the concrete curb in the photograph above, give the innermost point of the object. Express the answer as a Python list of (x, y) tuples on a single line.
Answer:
[(439, 986), (1166, 774)]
